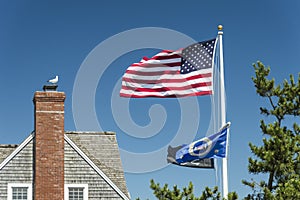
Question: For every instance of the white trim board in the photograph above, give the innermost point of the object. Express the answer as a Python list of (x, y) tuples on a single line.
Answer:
[(10, 186), (16, 151), (84, 186), (91, 163)]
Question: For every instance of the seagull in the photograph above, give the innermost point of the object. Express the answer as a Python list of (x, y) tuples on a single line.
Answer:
[(54, 81)]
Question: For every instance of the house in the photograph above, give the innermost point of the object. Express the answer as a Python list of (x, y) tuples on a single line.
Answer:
[(52, 164)]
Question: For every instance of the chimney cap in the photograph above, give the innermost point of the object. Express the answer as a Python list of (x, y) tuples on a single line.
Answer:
[(50, 88)]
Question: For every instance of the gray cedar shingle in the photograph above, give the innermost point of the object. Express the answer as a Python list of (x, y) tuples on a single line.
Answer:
[(78, 171), (18, 170), (102, 149), (6, 150)]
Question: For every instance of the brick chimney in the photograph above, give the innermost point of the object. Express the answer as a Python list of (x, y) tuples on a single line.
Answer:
[(49, 145)]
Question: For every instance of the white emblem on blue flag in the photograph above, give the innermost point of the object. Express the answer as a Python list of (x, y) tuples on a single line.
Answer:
[(201, 147)]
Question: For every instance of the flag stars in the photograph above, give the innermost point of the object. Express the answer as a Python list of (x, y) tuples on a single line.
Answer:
[(197, 56)]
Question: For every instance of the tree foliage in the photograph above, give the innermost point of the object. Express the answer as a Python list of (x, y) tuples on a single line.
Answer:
[(187, 193), (279, 156)]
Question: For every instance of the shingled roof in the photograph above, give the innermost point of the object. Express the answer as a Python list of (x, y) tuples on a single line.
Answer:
[(102, 149), (6, 150)]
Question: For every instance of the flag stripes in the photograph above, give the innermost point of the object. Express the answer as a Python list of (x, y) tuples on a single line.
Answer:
[(160, 76)]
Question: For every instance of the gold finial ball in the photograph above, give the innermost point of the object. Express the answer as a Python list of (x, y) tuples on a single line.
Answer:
[(220, 27)]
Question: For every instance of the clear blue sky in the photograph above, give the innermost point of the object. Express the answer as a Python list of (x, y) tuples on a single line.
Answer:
[(39, 40)]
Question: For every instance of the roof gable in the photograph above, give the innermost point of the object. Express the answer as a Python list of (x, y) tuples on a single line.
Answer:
[(99, 150), (102, 150), (96, 168), (16, 151)]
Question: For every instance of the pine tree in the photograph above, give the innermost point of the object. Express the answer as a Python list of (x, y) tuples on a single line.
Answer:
[(187, 193), (279, 156)]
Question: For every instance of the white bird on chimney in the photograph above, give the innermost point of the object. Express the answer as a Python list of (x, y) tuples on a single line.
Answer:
[(54, 81)]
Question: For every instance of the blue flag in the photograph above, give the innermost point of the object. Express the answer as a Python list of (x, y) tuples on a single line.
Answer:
[(213, 146), (207, 163)]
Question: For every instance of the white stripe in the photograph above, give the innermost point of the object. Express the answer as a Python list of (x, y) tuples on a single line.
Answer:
[(171, 60), (166, 93), (159, 85), (168, 53), (200, 88), (150, 62), (168, 76), (154, 69)]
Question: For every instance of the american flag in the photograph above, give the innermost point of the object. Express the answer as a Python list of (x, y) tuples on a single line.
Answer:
[(180, 73)]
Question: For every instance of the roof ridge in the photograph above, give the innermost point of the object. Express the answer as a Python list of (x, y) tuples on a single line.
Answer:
[(91, 132), (8, 145)]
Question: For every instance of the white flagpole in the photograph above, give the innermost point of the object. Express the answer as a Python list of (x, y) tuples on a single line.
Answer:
[(223, 113)]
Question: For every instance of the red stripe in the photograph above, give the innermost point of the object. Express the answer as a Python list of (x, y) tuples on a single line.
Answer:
[(164, 57), (178, 80), (204, 75), (163, 89), (201, 93), (149, 65), (149, 92), (157, 73)]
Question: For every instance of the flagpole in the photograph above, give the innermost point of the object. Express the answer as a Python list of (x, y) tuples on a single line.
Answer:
[(223, 112)]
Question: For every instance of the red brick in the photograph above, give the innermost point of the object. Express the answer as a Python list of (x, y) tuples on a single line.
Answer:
[(49, 146)]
